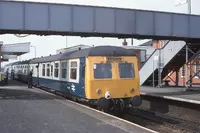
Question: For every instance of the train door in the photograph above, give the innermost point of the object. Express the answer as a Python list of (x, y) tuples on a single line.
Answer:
[(51, 70), (37, 79), (82, 76)]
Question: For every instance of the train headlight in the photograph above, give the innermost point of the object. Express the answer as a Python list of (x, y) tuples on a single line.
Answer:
[(98, 91), (132, 90)]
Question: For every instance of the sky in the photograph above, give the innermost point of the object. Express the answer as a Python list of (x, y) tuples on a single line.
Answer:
[(47, 45)]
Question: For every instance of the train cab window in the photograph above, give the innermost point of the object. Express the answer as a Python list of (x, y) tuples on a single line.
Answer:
[(64, 69), (56, 70), (43, 70), (102, 71), (73, 70), (126, 70), (48, 70)]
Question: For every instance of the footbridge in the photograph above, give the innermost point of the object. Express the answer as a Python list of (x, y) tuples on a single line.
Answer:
[(64, 19)]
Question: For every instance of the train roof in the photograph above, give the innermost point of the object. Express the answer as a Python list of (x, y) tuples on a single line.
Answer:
[(13, 63), (18, 63), (93, 51)]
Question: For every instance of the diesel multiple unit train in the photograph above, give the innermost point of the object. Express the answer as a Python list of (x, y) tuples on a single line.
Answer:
[(105, 76)]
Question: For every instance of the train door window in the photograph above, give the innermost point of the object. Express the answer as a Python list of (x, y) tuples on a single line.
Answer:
[(83, 71), (102, 71), (126, 70), (64, 69), (56, 70), (51, 70), (32, 69), (48, 70), (73, 70), (43, 70)]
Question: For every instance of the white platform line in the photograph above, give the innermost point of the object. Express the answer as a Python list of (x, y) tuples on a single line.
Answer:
[(147, 129), (172, 98)]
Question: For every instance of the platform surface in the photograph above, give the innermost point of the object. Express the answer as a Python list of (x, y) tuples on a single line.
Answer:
[(25, 110), (174, 93)]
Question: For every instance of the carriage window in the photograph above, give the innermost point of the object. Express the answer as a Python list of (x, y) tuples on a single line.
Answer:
[(73, 70), (126, 70), (51, 70), (56, 69), (32, 69), (43, 70), (48, 70), (64, 69), (102, 71)]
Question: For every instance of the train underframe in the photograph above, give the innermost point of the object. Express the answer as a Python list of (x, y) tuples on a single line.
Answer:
[(116, 104)]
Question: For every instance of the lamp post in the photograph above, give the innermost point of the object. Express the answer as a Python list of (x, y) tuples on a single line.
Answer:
[(34, 49), (189, 6), (182, 2), (66, 42)]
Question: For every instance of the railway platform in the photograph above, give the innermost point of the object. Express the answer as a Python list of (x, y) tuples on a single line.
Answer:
[(173, 93), (31, 110)]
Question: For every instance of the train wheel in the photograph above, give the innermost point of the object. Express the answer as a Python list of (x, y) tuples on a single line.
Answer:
[(74, 99)]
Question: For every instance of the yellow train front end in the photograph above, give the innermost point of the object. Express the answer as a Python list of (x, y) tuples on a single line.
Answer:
[(112, 81)]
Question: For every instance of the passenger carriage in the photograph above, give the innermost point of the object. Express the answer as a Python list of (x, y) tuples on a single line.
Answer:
[(106, 76)]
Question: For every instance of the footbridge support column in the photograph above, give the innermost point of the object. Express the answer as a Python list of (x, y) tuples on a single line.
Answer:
[(186, 70), (177, 77)]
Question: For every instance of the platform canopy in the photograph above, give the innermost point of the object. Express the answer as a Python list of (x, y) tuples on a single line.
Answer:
[(62, 19), (11, 51)]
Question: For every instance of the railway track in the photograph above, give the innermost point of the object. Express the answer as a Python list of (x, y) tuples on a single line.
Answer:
[(153, 120), (163, 123)]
